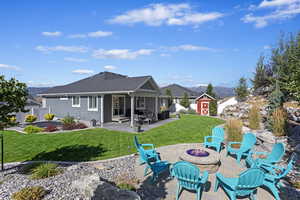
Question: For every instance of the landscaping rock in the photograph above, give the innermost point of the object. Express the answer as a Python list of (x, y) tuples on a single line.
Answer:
[(266, 136), (93, 188)]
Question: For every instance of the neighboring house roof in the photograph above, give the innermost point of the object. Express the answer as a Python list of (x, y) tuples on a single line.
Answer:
[(204, 94), (102, 82), (32, 102), (178, 91)]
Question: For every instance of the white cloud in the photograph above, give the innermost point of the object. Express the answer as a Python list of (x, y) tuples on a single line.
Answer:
[(96, 34), (189, 47), (169, 14), (40, 84), (201, 85), (121, 53), (9, 67), (284, 9), (71, 59), (79, 49), (52, 34), (110, 67), (82, 71), (267, 47)]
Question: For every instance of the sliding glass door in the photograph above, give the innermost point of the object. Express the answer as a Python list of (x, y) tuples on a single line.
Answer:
[(118, 106)]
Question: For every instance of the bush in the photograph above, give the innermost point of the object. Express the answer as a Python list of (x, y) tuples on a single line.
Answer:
[(30, 118), (278, 121), (33, 129), (30, 193), (254, 117), (69, 126), (13, 119), (213, 108), (51, 128), (45, 170), (191, 111), (81, 125), (68, 120), (49, 116), (233, 128), (126, 186)]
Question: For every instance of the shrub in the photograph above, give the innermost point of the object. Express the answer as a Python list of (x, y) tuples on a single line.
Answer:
[(30, 118), (278, 121), (191, 111), (49, 116), (69, 126), (45, 170), (30, 193), (13, 119), (51, 128), (81, 125), (213, 108), (33, 129), (126, 186), (254, 117), (233, 128), (68, 120), (27, 168)]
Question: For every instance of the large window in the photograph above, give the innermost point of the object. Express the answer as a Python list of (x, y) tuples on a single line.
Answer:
[(140, 103), (75, 101), (93, 103)]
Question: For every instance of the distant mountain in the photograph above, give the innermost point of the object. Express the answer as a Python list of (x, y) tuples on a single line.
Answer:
[(220, 91), (34, 91)]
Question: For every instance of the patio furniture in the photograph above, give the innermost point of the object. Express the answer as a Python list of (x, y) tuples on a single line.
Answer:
[(271, 158), (157, 166), (149, 117), (247, 143), (209, 163), (149, 153), (276, 173), (246, 184), (216, 139), (188, 177)]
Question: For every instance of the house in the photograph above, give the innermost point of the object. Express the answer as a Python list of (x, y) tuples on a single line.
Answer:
[(226, 102), (104, 97), (202, 103)]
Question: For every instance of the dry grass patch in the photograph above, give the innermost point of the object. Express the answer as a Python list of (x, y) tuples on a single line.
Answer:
[(254, 117), (278, 120), (30, 193), (233, 128)]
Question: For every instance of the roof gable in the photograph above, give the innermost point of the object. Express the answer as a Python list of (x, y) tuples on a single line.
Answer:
[(204, 95)]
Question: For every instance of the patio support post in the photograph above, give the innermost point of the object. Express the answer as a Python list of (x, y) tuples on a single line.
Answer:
[(132, 110), (156, 108), (102, 110)]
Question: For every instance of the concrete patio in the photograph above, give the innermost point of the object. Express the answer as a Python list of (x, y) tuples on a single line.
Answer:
[(126, 125), (165, 187)]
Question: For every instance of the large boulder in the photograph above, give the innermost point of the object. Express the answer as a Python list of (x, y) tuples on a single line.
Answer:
[(94, 189)]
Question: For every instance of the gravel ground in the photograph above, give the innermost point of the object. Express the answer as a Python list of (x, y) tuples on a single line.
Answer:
[(59, 187)]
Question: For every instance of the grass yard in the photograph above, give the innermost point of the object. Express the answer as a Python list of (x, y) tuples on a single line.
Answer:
[(98, 144)]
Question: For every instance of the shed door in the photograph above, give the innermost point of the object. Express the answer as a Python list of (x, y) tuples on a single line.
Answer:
[(204, 108)]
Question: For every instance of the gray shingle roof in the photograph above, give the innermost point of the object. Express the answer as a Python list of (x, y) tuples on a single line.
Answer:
[(178, 91), (102, 82)]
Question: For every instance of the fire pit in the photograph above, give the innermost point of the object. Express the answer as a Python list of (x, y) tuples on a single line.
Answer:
[(197, 152), (205, 159)]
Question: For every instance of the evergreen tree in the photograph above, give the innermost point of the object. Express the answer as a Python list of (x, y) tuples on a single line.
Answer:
[(170, 97), (261, 75), (241, 90), (185, 102), (210, 90), (213, 105)]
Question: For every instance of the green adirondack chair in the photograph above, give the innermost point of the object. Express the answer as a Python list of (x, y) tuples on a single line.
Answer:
[(245, 185), (189, 177), (271, 158), (276, 173), (247, 143), (216, 139)]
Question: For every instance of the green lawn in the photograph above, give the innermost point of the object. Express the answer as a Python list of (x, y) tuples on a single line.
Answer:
[(97, 144)]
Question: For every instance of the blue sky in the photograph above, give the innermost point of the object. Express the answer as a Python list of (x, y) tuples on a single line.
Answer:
[(46, 43)]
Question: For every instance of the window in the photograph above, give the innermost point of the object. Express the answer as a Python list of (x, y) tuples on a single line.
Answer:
[(76, 101), (140, 103), (63, 98), (93, 103)]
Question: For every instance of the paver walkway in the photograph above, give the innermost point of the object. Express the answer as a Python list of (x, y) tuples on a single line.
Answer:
[(165, 188)]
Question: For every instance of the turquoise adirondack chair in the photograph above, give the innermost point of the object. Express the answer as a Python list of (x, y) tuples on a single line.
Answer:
[(149, 153), (245, 185), (216, 139), (276, 173), (247, 143), (271, 158), (157, 166), (189, 177)]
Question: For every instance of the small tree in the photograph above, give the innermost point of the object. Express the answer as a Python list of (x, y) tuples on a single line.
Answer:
[(170, 97), (254, 117), (241, 90), (13, 97), (185, 102), (213, 105), (210, 90), (262, 74)]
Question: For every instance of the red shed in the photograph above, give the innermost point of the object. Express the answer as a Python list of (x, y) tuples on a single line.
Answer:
[(203, 104)]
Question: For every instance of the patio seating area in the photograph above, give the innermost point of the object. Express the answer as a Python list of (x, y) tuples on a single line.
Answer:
[(183, 171)]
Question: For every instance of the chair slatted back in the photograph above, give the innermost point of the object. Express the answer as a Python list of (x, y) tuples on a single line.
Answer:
[(276, 153), (218, 132), (248, 142), (249, 180), (188, 175), (289, 166)]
